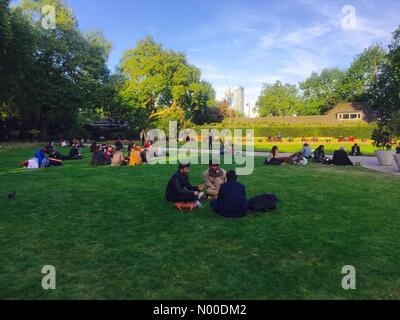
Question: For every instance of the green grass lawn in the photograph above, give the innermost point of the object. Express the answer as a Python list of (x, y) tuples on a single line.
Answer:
[(110, 235)]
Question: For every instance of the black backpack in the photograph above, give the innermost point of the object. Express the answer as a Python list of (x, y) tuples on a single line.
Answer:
[(263, 203)]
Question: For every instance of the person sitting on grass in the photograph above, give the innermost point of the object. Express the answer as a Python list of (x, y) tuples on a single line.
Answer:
[(99, 158), (306, 151), (75, 153), (179, 188), (135, 157), (214, 177), (319, 155), (40, 155), (274, 158), (109, 151), (231, 202), (398, 149), (55, 158), (355, 151), (94, 147), (340, 158), (118, 158)]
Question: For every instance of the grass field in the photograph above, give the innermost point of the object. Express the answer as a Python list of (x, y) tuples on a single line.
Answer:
[(110, 235)]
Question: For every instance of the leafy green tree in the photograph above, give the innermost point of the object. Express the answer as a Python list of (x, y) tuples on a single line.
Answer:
[(17, 46), (321, 92), (278, 100), (159, 78), (386, 90), (68, 74), (362, 74)]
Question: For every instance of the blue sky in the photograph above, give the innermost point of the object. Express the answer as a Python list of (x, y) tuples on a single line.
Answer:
[(247, 41)]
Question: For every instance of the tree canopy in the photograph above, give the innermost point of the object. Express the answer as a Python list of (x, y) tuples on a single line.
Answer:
[(158, 79)]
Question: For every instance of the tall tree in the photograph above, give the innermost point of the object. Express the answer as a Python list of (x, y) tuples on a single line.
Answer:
[(278, 99), (362, 74), (159, 78), (68, 74), (386, 90), (321, 92)]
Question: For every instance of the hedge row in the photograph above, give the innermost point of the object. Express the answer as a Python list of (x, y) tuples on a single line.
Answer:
[(361, 132)]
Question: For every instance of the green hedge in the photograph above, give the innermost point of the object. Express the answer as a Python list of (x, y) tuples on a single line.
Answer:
[(361, 132)]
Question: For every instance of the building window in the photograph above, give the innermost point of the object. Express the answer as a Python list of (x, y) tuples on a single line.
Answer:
[(349, 116)]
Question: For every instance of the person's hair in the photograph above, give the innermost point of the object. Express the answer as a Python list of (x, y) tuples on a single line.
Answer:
[(231, 175), (274, 150), (184, 166), (320, 147), (305, 145)]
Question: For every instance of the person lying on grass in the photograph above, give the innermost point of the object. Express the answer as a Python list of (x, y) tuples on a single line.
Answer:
[(231, 202), (213, 178), (298, 158), (179, 188)]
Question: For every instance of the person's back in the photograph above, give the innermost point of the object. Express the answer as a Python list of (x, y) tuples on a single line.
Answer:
[(340, 158), (306, 151), (118, 159), (398, 149), (99, 159), (40, 155), (231, 202), (135, 157)]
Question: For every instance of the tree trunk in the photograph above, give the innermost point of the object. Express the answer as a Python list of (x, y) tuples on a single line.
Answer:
[(43, 125)]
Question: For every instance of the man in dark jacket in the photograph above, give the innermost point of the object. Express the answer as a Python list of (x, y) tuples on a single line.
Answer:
[(179, 188), (340, 158), (355, 151), (231, 202)]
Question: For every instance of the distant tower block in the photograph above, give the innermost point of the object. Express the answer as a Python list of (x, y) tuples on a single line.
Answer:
[(238, 99)]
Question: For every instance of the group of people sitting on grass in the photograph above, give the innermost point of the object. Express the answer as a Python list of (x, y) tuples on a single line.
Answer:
[(48, 156), (114, 156), (227, 196), (340, 157)]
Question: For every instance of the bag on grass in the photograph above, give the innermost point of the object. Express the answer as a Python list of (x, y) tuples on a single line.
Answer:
[(185, 206), (263, 203)]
